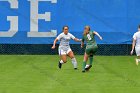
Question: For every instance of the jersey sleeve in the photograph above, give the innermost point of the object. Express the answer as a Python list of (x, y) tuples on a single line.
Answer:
[(59, 36), (72, 36), (134, 36)]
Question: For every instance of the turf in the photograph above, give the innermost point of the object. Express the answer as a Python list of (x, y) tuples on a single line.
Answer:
[(39, 74)]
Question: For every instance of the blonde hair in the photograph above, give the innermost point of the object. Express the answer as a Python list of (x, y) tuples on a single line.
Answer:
[(85, 30)]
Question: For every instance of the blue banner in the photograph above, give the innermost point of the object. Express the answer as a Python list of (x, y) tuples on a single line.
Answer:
[(40, 21)]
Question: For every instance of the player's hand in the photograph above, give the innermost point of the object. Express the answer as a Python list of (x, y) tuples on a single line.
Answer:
[(131, 52), (80, 40), (53, 47)]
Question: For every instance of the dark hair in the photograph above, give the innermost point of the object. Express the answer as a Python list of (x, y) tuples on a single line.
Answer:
[(65, 26)]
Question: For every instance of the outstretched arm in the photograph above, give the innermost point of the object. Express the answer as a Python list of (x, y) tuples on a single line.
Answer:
[(54, 43), (74, 38), (96, 33), (133, 46), (77, 40)]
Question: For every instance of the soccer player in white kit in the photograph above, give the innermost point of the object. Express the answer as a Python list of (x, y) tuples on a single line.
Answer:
[(136, 45), (64, 47)]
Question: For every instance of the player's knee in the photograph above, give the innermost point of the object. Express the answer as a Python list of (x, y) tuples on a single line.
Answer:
[(72, 57), (85, 59)]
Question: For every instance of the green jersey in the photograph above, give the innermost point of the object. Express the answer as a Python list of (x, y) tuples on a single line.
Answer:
[(89, 38), (91, 46)]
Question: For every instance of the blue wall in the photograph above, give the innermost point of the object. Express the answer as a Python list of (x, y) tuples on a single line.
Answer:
[(115, 20)]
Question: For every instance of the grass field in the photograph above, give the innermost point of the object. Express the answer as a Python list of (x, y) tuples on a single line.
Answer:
[(39, 74)]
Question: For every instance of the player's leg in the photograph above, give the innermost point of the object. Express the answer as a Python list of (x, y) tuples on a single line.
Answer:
[(90, 62), (63, 58), (84, 62), (92, 52), (91, 59), (137, 60), (73, 59), (138, 55)]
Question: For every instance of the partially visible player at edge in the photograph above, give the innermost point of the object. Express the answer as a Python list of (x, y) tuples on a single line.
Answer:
[(91, 46), (136, 45), (64, 47)]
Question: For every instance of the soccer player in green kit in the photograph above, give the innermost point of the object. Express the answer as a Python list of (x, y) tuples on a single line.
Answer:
[(91, 46)]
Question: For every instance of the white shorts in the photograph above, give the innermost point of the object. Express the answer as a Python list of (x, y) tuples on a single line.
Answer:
[(137, 51), (64, 52)]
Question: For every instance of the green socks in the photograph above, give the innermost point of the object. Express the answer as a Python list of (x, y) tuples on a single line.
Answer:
[(84, 64), (90, 60)]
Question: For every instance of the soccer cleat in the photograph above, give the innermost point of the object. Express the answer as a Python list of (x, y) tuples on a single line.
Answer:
[(59, 65), (83, 71), (87, 69), (75, 68), (137, 62)]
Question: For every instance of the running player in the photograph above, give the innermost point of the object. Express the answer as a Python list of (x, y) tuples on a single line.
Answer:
[(91, 46), (136, 45), (64, 47)]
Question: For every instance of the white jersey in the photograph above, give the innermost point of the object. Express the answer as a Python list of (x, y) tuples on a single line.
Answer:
[(64, 40), (136, 36)]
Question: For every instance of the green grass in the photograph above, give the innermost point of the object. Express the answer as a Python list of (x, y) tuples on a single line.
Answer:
[(39, 74)]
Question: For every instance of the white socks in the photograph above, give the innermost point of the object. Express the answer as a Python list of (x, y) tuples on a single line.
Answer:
[(61, 61), (74, 62), (138, 59)]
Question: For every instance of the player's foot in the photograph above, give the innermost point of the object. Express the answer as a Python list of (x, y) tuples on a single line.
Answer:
[(75, 68), (83, 71), (59, 65), (87, 69), (137, 62)]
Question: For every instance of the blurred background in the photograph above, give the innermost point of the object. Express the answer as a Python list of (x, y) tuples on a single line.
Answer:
[(115, 20)]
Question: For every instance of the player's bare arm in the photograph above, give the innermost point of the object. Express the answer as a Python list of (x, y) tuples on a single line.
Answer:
[(54, 43), (77, 40)]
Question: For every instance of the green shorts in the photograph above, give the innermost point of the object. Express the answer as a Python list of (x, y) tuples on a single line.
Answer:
[(91, 49)]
